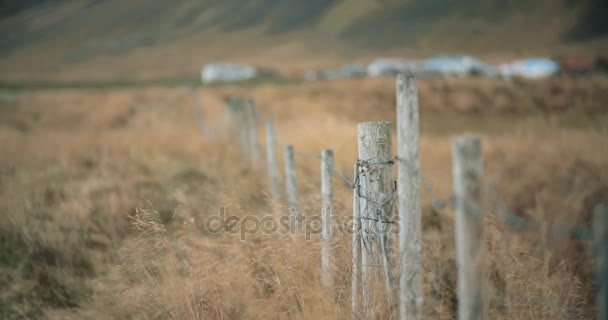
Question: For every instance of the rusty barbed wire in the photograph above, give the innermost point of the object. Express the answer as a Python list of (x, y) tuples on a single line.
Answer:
[(374, 212)]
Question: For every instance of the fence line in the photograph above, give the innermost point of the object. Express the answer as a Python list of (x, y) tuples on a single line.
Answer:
[(308, 155), (374, 254)]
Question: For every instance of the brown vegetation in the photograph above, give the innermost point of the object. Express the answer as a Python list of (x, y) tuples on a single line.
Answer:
[(104, 194)]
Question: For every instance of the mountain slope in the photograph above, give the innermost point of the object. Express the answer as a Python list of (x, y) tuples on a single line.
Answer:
[(151, 38)]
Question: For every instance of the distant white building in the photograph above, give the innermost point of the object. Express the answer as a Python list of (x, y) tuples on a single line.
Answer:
[(392, 66), (532, 68), (458, 66), (225, 72)]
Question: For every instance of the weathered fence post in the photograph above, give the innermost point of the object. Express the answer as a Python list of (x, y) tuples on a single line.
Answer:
[(232, 117), (200, 114), (470, 230), (378, 216), (356, 263), (274, 180), (408, 184), (600, 235), (253, 133), (327, 193), (290, 179), (243, 125)]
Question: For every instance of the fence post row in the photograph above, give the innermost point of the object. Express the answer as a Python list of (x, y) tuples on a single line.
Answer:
[(274, 179), (600, 232), (253, 133), (374, 249), (408, 184), (377, 214), (470, 230), (327, 193), (290, 179)]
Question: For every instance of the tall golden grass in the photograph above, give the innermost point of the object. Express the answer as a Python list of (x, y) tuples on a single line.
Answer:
[(105, 193)]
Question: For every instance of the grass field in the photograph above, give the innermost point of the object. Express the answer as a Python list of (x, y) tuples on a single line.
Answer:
[(104, 194)]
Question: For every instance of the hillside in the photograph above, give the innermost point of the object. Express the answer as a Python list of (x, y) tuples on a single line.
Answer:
[(106, 196), (91, 39)]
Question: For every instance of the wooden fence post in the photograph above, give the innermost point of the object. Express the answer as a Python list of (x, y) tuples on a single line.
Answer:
[(253, 133), (243, 124), (232, 117), (408, 184), (471, 244), (327, 193), (200, 114), (356, 263), (274, 180), (378, 217), (600, 236), (290, 179)]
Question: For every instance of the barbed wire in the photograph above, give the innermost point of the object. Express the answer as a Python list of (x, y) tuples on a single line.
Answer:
[(511, 219), (343, 177), (374, 211), (517, 222), (437, 203), (263, 118), (307, 154)]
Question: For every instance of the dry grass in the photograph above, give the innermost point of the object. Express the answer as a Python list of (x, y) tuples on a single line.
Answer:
[(104, 196)]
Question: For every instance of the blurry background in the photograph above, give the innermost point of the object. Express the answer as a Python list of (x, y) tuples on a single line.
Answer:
[(150, 39), (106, 181)]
